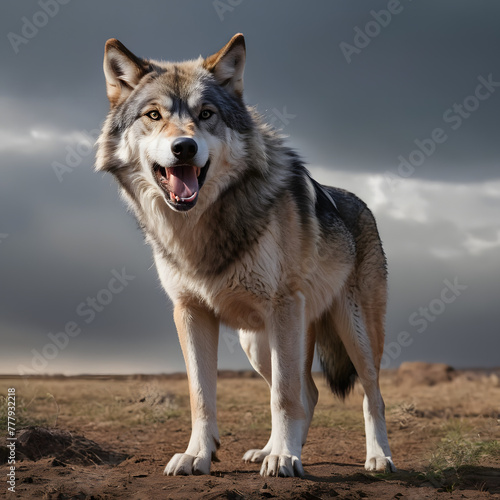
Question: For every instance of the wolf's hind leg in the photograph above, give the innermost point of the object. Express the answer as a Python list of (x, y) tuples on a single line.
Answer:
[(365, 353), (256, 347)]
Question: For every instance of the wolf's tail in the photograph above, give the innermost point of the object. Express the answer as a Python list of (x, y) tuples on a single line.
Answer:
[(336, 363)]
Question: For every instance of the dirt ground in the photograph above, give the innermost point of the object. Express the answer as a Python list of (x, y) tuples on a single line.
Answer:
[(111, 437)]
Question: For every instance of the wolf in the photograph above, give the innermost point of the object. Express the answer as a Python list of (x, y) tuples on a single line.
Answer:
[(243, 236)]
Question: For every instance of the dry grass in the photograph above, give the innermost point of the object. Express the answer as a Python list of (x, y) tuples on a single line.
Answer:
[(438, 431), (459, 450), (25, 416), (77, 402), (443, 437)]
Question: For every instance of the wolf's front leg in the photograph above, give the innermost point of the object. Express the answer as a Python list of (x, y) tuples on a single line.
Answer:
[(290, 406), (198, 331)]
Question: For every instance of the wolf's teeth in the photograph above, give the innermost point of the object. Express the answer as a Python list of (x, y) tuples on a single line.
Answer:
[(198, 171)]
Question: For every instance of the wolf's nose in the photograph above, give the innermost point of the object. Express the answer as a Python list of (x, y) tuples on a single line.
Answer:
[(184, 148)]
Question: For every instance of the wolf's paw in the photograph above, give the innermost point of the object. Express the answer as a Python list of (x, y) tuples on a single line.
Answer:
[(380, 464), (282, 465), (182, 464), (255, 456)]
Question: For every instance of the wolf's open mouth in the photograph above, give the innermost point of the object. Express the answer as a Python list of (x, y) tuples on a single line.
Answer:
[(181, 183)]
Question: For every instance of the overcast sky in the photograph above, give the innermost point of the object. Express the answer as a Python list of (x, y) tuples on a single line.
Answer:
[(401, 107)]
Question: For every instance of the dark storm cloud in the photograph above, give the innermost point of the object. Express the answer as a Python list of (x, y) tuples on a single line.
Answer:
[(68, 232), (371, 110)]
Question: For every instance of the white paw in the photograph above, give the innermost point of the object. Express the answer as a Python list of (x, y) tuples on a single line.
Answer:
[(255, 456), (282, 465), (380, 464), (182, 464)]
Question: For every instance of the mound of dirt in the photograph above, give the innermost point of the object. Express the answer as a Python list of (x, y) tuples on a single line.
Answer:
[(419, 373), (35, 443)]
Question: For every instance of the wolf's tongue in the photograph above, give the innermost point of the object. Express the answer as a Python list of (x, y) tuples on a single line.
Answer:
[(183, 181)]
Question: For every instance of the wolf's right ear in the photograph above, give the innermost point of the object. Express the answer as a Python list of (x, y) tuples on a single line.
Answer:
[(122, 69), (228, 65)]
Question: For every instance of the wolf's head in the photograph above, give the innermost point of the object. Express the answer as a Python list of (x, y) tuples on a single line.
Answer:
[(173, 126)]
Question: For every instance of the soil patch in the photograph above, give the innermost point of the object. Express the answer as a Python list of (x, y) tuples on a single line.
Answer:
[(35, 443)]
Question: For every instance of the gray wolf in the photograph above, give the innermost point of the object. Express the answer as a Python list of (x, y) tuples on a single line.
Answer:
[(242, 235)]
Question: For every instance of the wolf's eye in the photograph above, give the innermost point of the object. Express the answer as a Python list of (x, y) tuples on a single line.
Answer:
[(154, 115), (206, 114)]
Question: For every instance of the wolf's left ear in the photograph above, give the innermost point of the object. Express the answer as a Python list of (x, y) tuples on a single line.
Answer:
[(228, 65), (122, 69)]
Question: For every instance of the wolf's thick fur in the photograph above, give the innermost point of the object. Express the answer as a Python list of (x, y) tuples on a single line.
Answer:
[(242, 235)]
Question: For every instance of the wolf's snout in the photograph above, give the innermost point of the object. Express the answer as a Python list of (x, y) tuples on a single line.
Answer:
[(184, 148)]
